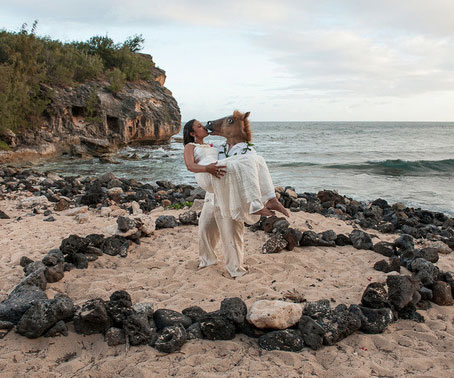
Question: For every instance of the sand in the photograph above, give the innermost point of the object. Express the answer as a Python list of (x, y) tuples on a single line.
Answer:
[(162, 270)]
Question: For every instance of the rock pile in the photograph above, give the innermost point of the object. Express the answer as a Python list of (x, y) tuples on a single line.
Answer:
[(48, 191), (377, 214), (277, 325)]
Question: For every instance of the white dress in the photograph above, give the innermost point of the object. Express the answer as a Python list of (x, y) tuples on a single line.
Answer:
[(243, 190)]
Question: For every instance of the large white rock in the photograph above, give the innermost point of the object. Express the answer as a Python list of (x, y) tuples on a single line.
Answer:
[(274, 314)]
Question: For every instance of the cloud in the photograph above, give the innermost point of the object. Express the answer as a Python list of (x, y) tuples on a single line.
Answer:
[(275, 51)]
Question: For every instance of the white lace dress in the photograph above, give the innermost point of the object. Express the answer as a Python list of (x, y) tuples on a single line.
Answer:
[(245, 187)]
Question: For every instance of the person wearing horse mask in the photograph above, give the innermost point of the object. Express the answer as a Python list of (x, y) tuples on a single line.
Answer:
[(244, 194)]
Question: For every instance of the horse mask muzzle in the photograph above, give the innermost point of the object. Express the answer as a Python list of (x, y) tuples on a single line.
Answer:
[(209, 127)]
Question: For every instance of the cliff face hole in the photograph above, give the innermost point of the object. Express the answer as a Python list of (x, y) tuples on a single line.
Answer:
[(78, 111), (113, 124)]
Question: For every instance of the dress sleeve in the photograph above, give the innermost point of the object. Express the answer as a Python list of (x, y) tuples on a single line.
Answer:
[(255, 206)]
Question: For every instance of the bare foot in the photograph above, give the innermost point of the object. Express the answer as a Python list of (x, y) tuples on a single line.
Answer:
[(265, 212), (274, 204)]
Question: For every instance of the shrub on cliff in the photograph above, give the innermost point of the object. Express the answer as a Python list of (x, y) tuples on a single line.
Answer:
[(30, 64), (117, 80)]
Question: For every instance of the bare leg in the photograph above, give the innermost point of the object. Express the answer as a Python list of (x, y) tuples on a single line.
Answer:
[(265, 212), (274, 204)]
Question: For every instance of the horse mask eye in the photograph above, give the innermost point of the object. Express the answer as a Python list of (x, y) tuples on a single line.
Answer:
[(230, 120)]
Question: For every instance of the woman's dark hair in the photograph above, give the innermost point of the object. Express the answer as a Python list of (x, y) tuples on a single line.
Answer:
[(188, 129)]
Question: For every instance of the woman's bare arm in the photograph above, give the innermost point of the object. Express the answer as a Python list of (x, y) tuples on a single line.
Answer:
[(191, 165)]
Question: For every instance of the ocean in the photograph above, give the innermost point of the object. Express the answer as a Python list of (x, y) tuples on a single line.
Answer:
[(410, 162)]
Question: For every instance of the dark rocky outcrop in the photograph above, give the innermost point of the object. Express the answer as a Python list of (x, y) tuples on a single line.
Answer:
[(89, 119)]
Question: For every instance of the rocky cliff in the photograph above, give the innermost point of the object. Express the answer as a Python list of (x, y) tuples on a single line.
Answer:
[(91, 119)]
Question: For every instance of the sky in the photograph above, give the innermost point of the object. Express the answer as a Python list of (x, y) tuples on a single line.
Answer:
[(282, 60)]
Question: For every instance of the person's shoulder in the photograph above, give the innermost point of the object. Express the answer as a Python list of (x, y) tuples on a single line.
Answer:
[(189, 146)]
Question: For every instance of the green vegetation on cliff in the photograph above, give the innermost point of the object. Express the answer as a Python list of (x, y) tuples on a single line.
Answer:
[(31, 65)]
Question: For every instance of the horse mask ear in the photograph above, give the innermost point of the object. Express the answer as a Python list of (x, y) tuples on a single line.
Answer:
[(246, 115)]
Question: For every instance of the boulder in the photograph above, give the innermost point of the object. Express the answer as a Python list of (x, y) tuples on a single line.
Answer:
[(287, 340), (373, 320), (250, 330), (3, 215), (292, 237), (404, 242), (43, 315), (311, 331), (92, 317), (115, 336), (361, 240), (37, 278), (137, 329), (234, 309), (189, 218), (115, 245), (37, 320), (165, 318), (119, 308), (19, 301), (274, 314), (54, 273), (74, 244), (375, 295), (442, 294), (195, 313), (342, 240), (217, 327), (329, 236), (274, 244), (401, 290), (53, 257), (430, 254), (317, 309), (385, 248), (194, 332), (59, 329), (440, 246), (166, 221), (424, 271), (171, 339), (62, 205), (338, 324), (125, 223), (310, 238), (144, 308)]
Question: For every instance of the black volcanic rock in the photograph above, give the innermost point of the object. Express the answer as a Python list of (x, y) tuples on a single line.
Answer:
[(385, 248), (311, 331), (165, 318), (375, 295), (361, 240), (171, 339), (287, 340), (217, 327), (92, 317)]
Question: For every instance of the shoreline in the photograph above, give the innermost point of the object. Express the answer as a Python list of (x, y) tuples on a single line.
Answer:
[(162, 270)]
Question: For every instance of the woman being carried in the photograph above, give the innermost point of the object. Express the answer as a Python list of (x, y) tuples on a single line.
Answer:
[(245, 192)]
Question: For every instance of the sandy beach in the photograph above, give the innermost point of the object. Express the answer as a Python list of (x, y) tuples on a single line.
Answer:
[(162, 270)]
